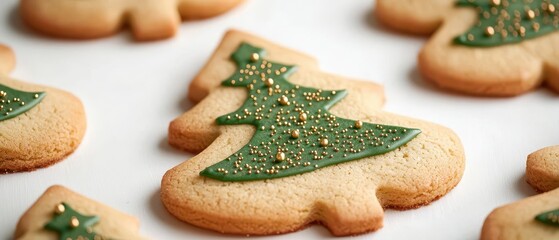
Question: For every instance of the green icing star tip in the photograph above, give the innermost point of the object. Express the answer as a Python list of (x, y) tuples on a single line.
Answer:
[(70, 224)]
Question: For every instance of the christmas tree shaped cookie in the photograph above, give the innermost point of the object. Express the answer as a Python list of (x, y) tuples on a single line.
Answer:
[(85, 19), (284, 145), (482, 47), (39, 126), (62, 214), (535, 217)]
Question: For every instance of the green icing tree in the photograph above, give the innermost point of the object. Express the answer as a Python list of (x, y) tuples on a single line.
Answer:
[(295, 132), (14, 102), (549, 218), (70, 224), (509, 21)]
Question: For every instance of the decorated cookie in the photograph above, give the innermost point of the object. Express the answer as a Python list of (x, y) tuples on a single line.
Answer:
[(85, 19), (39, 126), (62, 214), (284, 145), (482, 47), (535, 217)]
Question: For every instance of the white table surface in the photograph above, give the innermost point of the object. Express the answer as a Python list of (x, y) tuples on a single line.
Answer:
[(125, 152)]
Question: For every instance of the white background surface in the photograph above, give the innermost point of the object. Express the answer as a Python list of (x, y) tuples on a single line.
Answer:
[(131, 91)]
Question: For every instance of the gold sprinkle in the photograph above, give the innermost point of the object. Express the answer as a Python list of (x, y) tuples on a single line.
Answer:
[(269, 82), (358, 124), (59, 209), (551, 8), (470, 37), (504, 33), (522, 31), (254, 57), (496, 2), (536, 26), (489, 31), (280, 156), (283, 100), (302, 116), (295, 133), (530, 14), (324, 142), (74, 222)]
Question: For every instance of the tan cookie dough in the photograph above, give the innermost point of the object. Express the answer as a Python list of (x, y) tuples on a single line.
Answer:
[(7, 59), (112, 224), (347, 198), (542, 169), (45, 134), (148, 19), (506, 70), (412, 16)]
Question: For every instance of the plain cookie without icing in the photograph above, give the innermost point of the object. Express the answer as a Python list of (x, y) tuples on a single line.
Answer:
[(542, 169), (505, 70), (148, 19), (348, 198), (109, 223)]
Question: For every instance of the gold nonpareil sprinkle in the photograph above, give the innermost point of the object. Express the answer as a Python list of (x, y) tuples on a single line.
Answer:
[(254, 57), (59, 209), (74, 222)]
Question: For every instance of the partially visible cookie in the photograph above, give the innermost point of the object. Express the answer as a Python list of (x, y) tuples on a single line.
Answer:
[(39, 125), (7, 59), (542, 169), (533, 218), (417, 17), (85, 19), (481, 47), (62, 214)]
